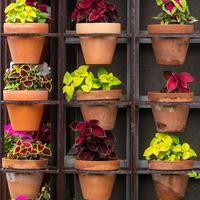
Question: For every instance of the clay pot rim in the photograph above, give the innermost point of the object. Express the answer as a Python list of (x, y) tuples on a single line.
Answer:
[(15, 24), (185, 99), (174, 28), (83, 165), (45, 160), (25, 91), (172, 163), (98, 92), (80, 26)]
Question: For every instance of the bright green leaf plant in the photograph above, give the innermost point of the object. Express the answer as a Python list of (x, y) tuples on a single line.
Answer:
[(85, 81), (20, 12), (174, 12), (166, 147)]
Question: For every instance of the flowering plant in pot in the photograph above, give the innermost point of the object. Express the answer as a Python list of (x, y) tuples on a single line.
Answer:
[(94, 150), (92, 87), (25, 151), (172, 118), (97, 17), (23, 17), (166, 152), (175, 18), (26, 83)]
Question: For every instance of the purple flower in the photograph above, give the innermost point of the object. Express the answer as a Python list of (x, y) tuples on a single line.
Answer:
[(23, 134), (21, 198)]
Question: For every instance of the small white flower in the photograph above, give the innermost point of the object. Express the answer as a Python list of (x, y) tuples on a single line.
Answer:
[(44, 69), (11, 64)]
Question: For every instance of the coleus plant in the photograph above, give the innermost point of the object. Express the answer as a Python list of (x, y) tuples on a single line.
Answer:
[(40, 6), (174, 12), (92, 142), (94, 11), (83, 80), (24, 150), (11, 136), (168, 147), (177, 82), (22, 12), (28, 77)]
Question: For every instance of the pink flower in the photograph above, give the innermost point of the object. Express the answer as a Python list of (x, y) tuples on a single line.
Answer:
[(23, 134), (21, 198)]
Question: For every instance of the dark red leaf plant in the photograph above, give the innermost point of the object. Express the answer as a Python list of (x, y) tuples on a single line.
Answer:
[(177, 82), (94, 11), (92, 143)]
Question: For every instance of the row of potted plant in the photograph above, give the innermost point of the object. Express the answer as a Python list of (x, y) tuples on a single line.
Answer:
[(26, 80)]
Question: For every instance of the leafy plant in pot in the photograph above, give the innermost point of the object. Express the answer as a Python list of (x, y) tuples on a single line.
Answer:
[(166, 152), (172, 117), (26, 83), (94, 151), (175, 18), (25, 151), (22, 17), (91, 87), (97, 17)]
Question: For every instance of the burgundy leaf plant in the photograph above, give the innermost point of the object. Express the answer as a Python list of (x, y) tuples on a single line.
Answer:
[(94, 11), (92, 142), (177, 82)]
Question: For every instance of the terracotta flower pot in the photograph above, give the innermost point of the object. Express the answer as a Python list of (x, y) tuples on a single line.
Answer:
[(23, 49), (170, 51), (93, 186), (98, 49), (170, 118), (171, 187), (21, 183), (25, 117), (105, 114)]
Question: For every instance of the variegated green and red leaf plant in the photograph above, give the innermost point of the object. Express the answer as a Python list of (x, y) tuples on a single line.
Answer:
[(174, 12), (24, 150), (24, 145), (92, 142), (28, 77)]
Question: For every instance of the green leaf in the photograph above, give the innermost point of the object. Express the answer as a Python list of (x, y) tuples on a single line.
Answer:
[(86, 88), (185, 147), (67, 78), (82, 71), (106, 86), (177, 148), (159, 2), (69, 90), (180, 5), (77, 81), (102, 71), (10, 7)]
